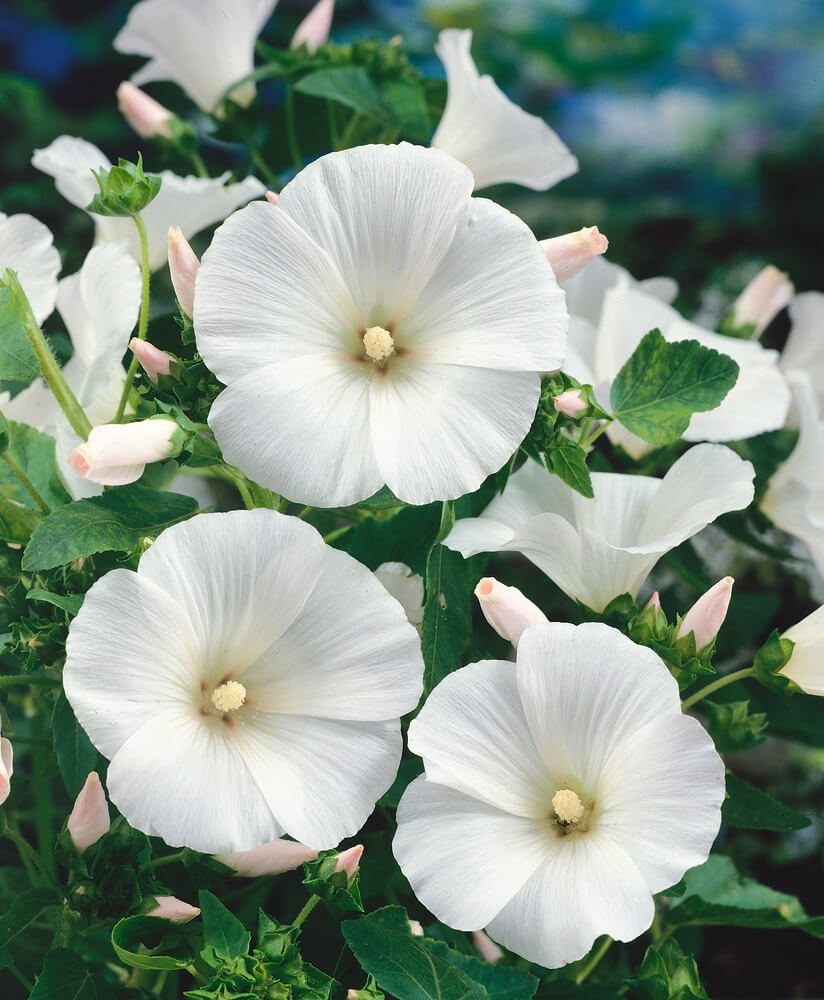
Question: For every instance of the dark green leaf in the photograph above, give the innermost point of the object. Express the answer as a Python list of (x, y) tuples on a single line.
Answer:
[(17, 523), (568, 460), (18, 358), (666, 973), (70, 603), (409, 105), (143, 942), (749, 807), (76, 756), (35, 454), (403, 537), (409, 770), (349, 85), (66, 976), (341, 894), (224, 936), (23, 911), (501, 982), (116, 521), (661, 385)]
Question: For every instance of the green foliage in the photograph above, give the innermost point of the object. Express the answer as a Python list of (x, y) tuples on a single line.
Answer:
[(340, 893), (18, 358), (144, 942), (661, 385), (25, 909), (224, 936), (66, 976), (666, 973), (349, 85), (749, 807), (34, 452), (768, 661), (124, 189), (732, 726), (75, 754), (651, 628)]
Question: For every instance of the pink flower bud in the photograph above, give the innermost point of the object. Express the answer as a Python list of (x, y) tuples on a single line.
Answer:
[(172, 908), (117, 453), (349, 861), (653, 602), (487, 947), (706, 616), (506, 609), (154, 361), (183, 265), (273, 858), (352, 995), (570, 403), (570, 253), (314, 28), (89, 819), (416, 927), (6, 768), (142, 112), (763, 298), (272, 197)]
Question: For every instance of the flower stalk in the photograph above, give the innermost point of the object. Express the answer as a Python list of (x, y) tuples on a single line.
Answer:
[(143, 324), (736, 675)]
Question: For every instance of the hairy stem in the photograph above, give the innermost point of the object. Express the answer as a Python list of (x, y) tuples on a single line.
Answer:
[(143, 325)]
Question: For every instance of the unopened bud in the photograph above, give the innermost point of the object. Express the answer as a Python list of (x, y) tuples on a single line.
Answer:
[(154, 361), (89, 819), (405, 586), (653, 602), (416, 927), (272, 858), (6, 768), (116, 454), (349, 861), (570, 253), (272, 197), (172, 908), (570, 403), (506, 609), (487, 947), (314, 29), (143, 113), (761, 301), (183, 266), (705, 618), (805, 666)]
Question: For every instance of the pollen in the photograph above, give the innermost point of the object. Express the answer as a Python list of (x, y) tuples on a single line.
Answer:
[(229, 696), (567, 805), (378, 344)]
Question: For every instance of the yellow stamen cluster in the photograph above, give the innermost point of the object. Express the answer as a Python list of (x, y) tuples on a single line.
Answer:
[(567, 805), (378, 344), (229, 696)]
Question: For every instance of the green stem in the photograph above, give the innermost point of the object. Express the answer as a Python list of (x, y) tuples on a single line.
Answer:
[(349, 131), (333, 125), (269, 175), (143, 325), (292, 132), (310, 904), (42, 802), (198, 164), (597, 433), (596, 958), (736, 675), (167, 860), (241, 486), (21, 680), (14, 465), (336, 533), (21, 978)]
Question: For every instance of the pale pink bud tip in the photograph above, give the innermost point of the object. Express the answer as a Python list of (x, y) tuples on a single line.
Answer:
[(183, 266), (506, 609), (486, 946), (705, 618), (653, 602), (116, 454), (272, 197), (89, 819), (349, 860), (172, 908), (352, 995), (6, 768), (272, 858), (765, 296), (416, 927), (315, 27), (154, 361), (570, 253), (570, 403), (142, 112)]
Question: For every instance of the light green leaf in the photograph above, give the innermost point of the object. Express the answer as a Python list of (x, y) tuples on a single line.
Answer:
[(661, 385), (224, 936), (130, 937), (409, 105), (35, 454), (17, 523), (349, 85), (70, 603), (76, 756), (18, 358), (568, 460), (749, 807)]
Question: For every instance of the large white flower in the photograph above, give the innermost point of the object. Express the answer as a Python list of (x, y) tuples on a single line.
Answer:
[(189, 202), (247, 681), (596, 549), (379, 325), (804, 350), (559, 793), (482, 128), (611, 313), (27, 247), (806, 663), (203, 45)]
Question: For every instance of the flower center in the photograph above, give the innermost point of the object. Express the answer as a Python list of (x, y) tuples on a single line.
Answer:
[(378, 344), (229, 696), (568, 806)]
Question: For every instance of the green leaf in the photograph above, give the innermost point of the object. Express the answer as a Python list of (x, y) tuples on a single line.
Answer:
[(224, 936), (18, 358), (501, 982), (130, 937), (341, 895), (403, 537), (66, 976), (768, 661), (716, 894), (733, 727), (666, 973), (752, 809), (401, 964), (116, 521), (35, 454), (661, 385), (409, 105), (5, 434), (25, 909), (349, 85), (76, 756), (447, 611), (17, 523), (70, 603), (568, 460)]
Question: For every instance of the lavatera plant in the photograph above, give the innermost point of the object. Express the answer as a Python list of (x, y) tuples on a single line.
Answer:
[(244, 509)]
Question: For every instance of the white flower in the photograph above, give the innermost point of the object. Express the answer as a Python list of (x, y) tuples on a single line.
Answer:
[(482, 128), (193, 203), (6, 768), (203, 45), (794, 500), (806, 663), (596, 549), (405, 586), (247, 681), (553, 819), (378, 325), (27, 247), (804, 350)]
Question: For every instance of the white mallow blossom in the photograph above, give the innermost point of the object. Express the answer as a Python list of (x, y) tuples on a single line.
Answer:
[(806, 663), (203, 45), (27, 247), (794, 500), (804, 350), (482, 128), (558, 795), (377, 326), (595, 549), (405, 586), (192, 203), (252, 685), (610, 315)]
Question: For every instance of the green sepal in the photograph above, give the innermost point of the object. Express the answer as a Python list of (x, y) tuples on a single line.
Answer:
[(125, 190), (739, 331), (279, 943), (732, 727), (370, 991), (768, 661), (336, 889), (666, 973)]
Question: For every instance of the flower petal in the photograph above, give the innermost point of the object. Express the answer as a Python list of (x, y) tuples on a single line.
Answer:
[(70, 162), (27, 247)]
